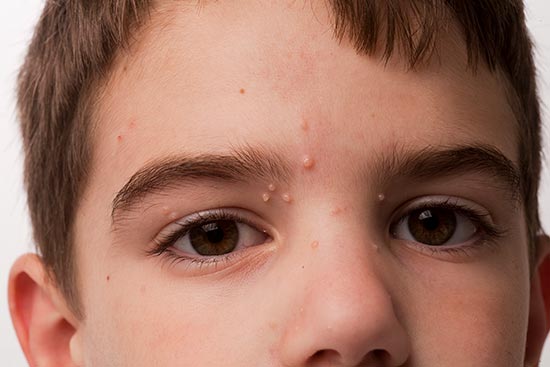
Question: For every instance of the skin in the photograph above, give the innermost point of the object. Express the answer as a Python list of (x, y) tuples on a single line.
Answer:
[(331, 286)]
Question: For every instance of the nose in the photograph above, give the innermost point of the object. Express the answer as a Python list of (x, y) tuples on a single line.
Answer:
[(344, 315)]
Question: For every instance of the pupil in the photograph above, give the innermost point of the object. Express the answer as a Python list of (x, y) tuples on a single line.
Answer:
[(434, 226), (215, 238), (213, 232), (429, 221)]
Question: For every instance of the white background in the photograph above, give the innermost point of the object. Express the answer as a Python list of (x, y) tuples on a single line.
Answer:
[(17, 19)]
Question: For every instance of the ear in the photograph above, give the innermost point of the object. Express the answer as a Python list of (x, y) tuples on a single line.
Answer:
[(46, 328), (539, 313)]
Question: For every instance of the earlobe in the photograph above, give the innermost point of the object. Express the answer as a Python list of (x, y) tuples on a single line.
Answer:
[(539, 312), (43, 323)]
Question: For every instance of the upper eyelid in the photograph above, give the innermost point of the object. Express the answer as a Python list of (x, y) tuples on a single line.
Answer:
[(450, 202), (206, 216), (478, 214)]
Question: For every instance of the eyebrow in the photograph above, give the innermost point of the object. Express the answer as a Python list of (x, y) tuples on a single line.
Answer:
[(439, 162), (242, 164), (248, 164)]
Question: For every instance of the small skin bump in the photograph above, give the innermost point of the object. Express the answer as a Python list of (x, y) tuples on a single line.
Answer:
[(308, 162), (381, 197), (286, 198), (266, 197), (314, 244), (119, 138), (132, 124), (304, 125), (271, 187), (173, 215)]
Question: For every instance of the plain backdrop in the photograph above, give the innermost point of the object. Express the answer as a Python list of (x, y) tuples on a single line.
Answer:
[(17, 19)]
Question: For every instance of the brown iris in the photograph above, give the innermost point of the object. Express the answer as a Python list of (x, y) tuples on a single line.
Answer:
[(215, 238), (432, 226)]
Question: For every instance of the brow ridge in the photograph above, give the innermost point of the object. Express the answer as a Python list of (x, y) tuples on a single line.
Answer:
[(240, 165)]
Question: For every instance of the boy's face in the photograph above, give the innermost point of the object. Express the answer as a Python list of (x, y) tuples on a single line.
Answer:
[(379, 249)]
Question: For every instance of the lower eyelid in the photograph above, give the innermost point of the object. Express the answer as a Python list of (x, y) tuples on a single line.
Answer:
[(233, 263)]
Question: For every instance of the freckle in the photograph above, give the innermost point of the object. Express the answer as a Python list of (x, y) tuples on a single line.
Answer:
[(142, 289), (381, 197), (108, 277), (308, 162), (242, 91), (314, 244), (304, 125), (266, 197), (272, 325), (286, 198), (336, 211), (271, 187)]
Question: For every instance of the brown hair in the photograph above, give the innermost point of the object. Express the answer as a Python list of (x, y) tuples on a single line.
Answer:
[(75, 42)]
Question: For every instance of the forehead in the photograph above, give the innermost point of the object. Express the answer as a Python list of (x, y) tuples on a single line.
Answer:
[(226, 73)]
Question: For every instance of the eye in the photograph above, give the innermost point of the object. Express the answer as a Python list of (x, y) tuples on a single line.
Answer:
[(437, 226), (219, 237), (208, 236)]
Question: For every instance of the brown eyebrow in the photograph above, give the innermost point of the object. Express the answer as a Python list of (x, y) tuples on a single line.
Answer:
[(437, 161), (240, 165), (245, 164)]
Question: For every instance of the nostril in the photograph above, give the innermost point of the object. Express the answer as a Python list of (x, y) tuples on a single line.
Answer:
[(378, 357), (325, 357), (329, 357)]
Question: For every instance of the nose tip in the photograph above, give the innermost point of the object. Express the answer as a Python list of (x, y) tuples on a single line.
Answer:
[(349, 323)]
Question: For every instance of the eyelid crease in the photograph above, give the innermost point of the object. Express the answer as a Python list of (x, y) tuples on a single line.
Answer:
[(242, 164), (432, 162)]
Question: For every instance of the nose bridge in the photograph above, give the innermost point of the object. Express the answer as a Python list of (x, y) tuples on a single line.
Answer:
[(345, 259), (343, 308)]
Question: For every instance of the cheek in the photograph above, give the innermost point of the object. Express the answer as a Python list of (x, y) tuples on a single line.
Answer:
[(471, 313), (168, 321)]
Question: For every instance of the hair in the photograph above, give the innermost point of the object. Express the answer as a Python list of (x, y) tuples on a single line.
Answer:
[(76, 41)]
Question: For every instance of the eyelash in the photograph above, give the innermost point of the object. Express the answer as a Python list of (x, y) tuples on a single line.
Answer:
[(489, 232), (163, 245)]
